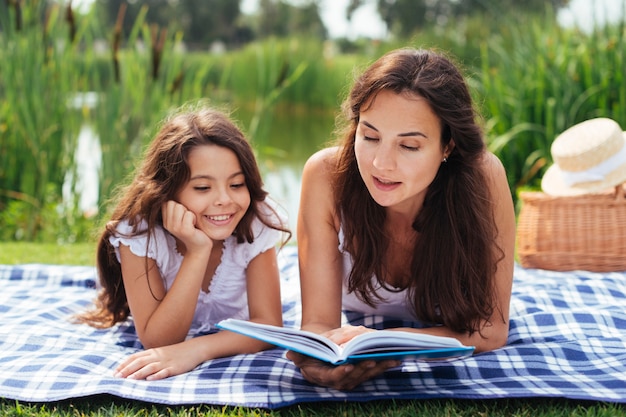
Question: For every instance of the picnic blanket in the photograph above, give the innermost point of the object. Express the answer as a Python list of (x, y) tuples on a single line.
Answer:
[(567, 339)]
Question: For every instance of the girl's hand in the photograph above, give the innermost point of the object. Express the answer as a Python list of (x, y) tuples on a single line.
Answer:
[(159, 363), (181, 223), (342, 377)]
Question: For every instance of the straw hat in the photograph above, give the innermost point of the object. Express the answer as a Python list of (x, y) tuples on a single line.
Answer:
[(589, 157)]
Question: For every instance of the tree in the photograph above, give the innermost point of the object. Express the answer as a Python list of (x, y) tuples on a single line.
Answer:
[(280, 18), (201, 21), (403, 17)]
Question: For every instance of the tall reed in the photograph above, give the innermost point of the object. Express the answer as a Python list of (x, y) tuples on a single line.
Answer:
[(38, 125), (539, 79), (532, 80), (134, 93)]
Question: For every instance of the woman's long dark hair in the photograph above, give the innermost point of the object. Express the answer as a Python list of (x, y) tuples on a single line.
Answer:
[(454, 260), (163, 172)]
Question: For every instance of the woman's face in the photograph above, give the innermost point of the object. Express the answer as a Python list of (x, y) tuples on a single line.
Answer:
[(398, 149), (216, 191)]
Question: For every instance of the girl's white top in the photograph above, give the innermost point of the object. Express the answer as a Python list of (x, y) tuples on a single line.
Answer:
[(227, 296)]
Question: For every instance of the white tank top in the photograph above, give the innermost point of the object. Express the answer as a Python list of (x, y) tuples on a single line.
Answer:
[(392, 303)]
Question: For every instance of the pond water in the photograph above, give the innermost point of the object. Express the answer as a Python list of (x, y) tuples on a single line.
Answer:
[(284, 140), (283, 147)]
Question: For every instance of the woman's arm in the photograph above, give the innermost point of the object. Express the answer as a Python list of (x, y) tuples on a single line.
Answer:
[(318, 255), (321, 274)]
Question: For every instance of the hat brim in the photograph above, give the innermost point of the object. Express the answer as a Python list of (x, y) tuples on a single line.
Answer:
[(552, 182)]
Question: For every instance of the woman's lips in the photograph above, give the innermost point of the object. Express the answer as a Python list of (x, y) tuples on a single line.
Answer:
[(385, 185)]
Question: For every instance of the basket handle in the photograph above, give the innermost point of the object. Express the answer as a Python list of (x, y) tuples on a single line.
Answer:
[(620, 194)]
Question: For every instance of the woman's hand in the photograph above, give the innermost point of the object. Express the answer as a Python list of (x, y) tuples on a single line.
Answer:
[(342, 377), (346, 333), (181, 223), (159, 363)]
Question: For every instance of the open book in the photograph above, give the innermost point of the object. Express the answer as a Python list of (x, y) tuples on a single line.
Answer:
[(378, 345)]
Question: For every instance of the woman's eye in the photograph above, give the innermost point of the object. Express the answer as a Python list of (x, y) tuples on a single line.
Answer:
[(410, 148), (369, 138), (238, 185)]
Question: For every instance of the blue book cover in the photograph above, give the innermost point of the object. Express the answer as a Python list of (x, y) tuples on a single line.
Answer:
[(377, 345)]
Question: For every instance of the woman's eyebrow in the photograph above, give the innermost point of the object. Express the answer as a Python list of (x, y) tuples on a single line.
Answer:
[(406, 134)]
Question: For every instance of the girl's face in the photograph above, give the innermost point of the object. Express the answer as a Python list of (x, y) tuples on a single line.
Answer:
[(216, 191), (398, 150)]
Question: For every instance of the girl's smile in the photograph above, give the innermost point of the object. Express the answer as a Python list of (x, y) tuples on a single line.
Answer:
[(220, 220)]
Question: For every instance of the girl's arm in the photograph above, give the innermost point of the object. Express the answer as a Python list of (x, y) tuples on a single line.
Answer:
[(164, 318), (263, 288), (161, 318)]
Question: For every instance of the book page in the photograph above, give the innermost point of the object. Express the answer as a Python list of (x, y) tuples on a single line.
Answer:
[(301, 341), (390, 341)]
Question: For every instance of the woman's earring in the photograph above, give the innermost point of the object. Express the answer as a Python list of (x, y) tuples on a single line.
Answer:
[(444, 159)]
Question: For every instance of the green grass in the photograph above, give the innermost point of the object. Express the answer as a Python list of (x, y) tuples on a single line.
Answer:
[(14, 253), (82, 254), (109, 406)]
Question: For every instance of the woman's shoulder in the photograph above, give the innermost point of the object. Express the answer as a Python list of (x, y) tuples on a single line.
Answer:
[(322, 160), (317, 200), (491, 166)]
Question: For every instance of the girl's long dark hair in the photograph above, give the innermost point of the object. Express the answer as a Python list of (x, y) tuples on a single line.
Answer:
[(163, 172), (453, 264)]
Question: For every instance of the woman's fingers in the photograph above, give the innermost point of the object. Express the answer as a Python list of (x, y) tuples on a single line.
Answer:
[(346, 333), (342, 377)]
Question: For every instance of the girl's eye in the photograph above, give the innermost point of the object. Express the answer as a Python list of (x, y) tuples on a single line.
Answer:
[(238, 185), (201, 188)]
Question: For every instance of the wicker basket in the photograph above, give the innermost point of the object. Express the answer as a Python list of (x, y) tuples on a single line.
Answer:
[(573, 233)]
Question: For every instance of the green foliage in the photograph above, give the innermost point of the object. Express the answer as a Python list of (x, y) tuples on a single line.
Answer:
[(53, 221), (537, 80), (39, 127), (405, 17), (531, 79)]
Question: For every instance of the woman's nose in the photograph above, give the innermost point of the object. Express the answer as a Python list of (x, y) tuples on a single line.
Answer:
[(384, 158)]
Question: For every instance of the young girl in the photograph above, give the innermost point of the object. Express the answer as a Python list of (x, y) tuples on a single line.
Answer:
[(410, 216), (191, 242)]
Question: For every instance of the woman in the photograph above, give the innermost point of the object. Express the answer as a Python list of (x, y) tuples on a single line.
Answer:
[(410, 216)]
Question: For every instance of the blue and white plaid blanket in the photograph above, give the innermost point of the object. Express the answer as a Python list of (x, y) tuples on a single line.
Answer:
[(567, 339)]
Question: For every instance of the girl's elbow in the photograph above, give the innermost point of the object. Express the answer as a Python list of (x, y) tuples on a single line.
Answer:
[(151, 342)]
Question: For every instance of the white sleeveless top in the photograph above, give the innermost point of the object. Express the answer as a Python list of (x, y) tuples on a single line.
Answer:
[(392, 303), (227, 296)]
